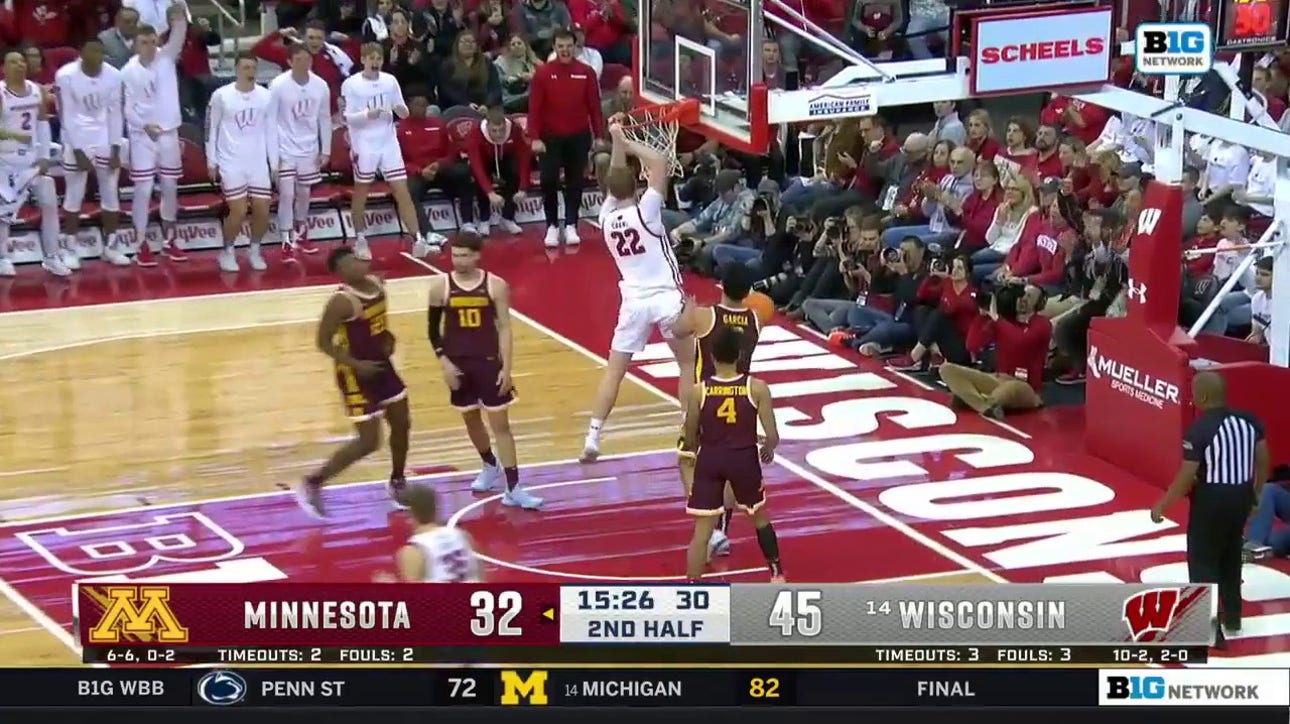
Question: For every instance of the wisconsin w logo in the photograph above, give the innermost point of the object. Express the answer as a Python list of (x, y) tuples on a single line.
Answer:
[(1147, 221), (302, 109), (1151, 612), (245, 118)]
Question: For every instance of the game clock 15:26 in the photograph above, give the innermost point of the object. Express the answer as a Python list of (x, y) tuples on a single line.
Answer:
[(1250, 24), (633, 599)]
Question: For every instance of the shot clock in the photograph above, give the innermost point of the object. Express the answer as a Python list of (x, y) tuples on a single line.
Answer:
[(1242, 25)]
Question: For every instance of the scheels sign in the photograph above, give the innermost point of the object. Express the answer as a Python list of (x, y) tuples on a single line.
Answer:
[(1040, 51)]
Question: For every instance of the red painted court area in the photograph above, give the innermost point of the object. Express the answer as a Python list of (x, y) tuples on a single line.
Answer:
[(877, 479)]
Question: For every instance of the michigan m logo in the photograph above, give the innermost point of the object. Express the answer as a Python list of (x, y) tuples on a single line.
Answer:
[(531, 688), (138, 611), (1151, 612)]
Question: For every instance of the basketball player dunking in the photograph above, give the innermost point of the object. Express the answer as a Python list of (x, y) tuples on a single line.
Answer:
[(705, 323), (354, 333), (651, 279), (469, 325), (721, 426), (435, 553)]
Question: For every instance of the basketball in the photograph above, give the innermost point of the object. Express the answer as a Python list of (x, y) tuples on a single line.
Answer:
[(762, 306)]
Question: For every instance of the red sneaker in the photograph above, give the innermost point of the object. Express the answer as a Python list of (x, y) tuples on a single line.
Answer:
[(145, 257), (1071, 377), (303, 244), (289, 253), (905, 363), (173, 251), (840, 338), (937, 360)]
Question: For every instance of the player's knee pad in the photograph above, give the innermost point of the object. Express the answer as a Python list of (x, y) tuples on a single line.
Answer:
[(44, 192), (74, 184), (109, 183)]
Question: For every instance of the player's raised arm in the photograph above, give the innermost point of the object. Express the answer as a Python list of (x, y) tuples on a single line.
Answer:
[(653, 162), (177, 17), (766, 416), (500, 291), (693, 405)]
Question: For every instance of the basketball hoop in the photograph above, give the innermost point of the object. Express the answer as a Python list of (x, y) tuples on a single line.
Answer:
[(656, 127)]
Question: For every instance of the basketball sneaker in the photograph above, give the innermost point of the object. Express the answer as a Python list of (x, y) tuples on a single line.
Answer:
[(145, 257), (590, 451), (256, 258), (468, 228), (521, 498), (55, 266), (490, 478), (310, 499), (7, 269), (571, 235), (228, 260), (71, 258), (509, 226), (362, 250), (778, 578), (396, 487), (303, 244), (483, 228), (552, 239), (172, 250), (114, 254), (289, 253), (718, 544)]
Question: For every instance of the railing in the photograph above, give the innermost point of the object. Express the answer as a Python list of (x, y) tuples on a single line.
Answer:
[(227, 19)]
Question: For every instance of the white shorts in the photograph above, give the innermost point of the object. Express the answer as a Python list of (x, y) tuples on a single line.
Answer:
[(17, 184), (639, 316), (238, 181), (301, 170), (77, 181), (149, 158), (100, 156), (386, 160)]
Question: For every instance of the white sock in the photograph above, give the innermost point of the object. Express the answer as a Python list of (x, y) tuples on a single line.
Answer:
[(4, 243), (169, 206), (286, 205), (139, 210), (301, 207), (593, 430)]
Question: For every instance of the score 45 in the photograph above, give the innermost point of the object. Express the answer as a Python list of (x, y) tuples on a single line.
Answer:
[(797, 614)]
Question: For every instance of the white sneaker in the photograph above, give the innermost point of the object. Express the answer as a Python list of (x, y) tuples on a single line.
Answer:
[(256, 259), (509, 226), (6, 268), (590, 451), (361, 249), (521, 498), (490, 478), (483, 228), (70, 258), (420, 248), (552, 240), (469, 229), (571, 235), (718, 544), (228, 261), (114, 256), (55, 266)]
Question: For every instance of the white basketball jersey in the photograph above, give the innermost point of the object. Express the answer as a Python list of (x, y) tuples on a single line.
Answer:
[(449, 556), (303, 115), (357, 95), (19, 113), (240, 131), (638, 242)]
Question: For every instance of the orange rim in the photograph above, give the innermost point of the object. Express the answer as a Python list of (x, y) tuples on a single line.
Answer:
[(684, 112)]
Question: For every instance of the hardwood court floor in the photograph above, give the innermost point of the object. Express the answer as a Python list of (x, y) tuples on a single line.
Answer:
[(176, 400)]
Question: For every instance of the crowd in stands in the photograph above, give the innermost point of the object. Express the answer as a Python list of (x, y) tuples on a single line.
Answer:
[(969, 241)]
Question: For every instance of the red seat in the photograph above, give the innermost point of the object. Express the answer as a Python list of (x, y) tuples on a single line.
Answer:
[(58, 57), (202, 198), (459, 130)]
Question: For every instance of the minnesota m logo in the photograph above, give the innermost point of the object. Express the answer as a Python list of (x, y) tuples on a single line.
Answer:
[(531, 688), (138, 611)]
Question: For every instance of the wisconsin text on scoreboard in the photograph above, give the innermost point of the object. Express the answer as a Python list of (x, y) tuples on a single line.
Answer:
[(303, 623)]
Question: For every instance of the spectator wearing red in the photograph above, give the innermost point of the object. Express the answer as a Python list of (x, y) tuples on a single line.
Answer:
[(433, 163), (42, 23), (980, 135), (1207, 237), (1103, 185), (1048, 160), (1021, 338), (608, 28), (1015, 224), (564, 118), (196, 83), (862, 186), (908, 208), (942, 335), (1018, 154), (1261, 82), (1055, 237), (329, 63), (491, 26), (979, 207), (1073, 155), (1075, 117), (500, 163)]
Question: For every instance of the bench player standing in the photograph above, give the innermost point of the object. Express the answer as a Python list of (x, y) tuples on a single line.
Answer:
[(152, 118), (707, 325), (91, 119), (302, 102), (651, 279), (24, 163), (369, 102), (721, 426), (469, 325), (354, 333), (242, 155)]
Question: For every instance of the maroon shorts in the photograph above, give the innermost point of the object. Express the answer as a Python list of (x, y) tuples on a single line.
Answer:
[(367, 397), (477, 386), (714, 469)]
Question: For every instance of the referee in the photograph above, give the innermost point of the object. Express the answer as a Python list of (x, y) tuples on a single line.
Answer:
[(1225, 464)]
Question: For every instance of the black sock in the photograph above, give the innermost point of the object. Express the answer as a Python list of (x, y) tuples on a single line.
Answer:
[(488, 458), (770, 548), (724, 525), (512, 478)]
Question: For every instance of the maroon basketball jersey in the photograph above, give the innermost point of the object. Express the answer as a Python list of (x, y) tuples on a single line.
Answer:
[(744, 321), (363, 335), (470, 326), (728, 415)]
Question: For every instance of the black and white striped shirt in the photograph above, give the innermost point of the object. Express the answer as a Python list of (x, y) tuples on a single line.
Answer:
[(1222, 442)]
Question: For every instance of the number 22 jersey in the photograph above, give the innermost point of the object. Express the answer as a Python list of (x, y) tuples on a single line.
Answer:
[(639, 244)]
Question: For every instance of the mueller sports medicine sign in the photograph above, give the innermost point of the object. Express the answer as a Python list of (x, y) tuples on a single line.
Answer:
[(1040, 51)]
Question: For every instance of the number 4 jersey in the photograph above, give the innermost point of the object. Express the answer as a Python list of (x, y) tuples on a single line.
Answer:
[(639, 244)]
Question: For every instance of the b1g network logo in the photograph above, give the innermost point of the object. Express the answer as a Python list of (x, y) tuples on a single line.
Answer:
[(1173, 49)]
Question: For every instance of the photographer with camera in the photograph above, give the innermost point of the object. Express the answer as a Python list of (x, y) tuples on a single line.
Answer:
[(873, 331), (787, 257), (840, 266), (720, 222), (1010, 321), (758, 225), (942, 335)]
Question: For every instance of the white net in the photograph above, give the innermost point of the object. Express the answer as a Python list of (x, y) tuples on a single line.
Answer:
[(656, 129)]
